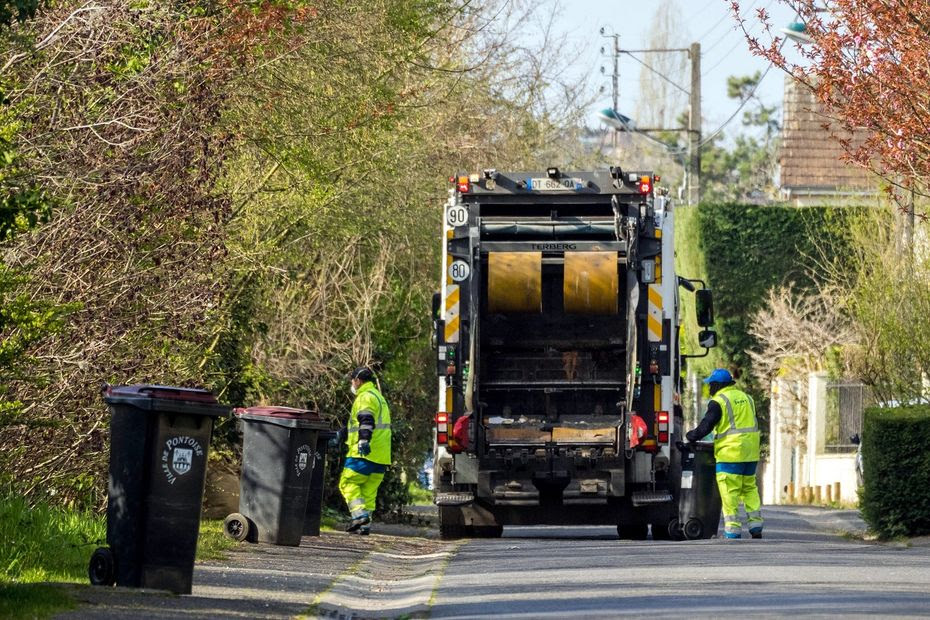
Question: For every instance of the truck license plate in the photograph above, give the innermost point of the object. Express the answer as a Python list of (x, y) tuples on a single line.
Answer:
[(555, 185)]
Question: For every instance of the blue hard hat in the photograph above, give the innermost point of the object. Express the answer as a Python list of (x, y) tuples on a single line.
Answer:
[(720, 375)]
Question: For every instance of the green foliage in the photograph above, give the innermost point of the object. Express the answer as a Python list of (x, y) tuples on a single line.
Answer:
[(42, 543), (17, 10), (895, 498), (888, 297), (749, 249), (742, 251)]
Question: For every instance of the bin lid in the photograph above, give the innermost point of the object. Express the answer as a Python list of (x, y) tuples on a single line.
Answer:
[(167, 392), (169, 398), (282, 416)]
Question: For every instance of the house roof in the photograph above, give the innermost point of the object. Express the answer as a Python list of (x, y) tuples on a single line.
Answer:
[(811, 155)]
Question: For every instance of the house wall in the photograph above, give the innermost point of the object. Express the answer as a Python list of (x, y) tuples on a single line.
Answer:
[(803, 462)]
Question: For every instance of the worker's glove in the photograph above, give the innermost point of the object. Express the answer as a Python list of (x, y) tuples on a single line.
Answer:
[(364, 448), (690, 436)]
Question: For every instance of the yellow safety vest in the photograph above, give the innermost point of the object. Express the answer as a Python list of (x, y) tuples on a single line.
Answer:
[(736, 436), (370, 399)]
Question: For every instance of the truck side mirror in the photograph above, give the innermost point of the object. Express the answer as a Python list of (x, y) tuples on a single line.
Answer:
[(707, 339), (704, 307)]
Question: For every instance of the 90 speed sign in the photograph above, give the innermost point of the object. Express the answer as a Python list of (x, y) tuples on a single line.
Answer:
[(459, 270), (456, 216)]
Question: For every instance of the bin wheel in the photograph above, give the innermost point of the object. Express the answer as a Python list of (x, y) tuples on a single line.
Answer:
[(236, 526), (102, 568), (694, 529), (675, 531)]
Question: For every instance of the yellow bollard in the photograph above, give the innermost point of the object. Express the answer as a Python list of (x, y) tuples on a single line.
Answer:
[(808, 495), (837, 496), (817, 496), (791, 498), (829, 493)]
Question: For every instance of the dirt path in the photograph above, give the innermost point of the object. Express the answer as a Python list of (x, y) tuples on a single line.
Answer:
[(335, 575)]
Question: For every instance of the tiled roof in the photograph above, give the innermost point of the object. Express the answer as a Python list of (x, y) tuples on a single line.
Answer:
[(810, 155)]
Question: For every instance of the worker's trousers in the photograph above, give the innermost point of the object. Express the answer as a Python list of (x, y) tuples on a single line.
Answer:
[(737, 483), (360, 491)]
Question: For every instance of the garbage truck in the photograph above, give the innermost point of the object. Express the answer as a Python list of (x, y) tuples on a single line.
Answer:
[(557, 354)]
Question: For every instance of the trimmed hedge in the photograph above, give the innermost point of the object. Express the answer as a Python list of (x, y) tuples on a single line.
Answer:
[(895, 499)]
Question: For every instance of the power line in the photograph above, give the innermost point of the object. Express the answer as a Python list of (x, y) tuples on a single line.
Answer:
[(739, 108), (726, 15), (661, 75), (726, 54)]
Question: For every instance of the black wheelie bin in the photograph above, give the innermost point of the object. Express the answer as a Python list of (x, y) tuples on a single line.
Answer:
[(314, 513), (278, 455), (699, 500), (159, 438)]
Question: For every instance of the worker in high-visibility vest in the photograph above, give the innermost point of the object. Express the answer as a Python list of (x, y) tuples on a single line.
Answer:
[(367, 438), (731, 415)]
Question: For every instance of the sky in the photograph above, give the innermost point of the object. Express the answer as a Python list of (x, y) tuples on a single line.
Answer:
[(724, 51)]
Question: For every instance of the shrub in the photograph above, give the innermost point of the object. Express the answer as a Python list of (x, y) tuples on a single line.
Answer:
[(895, 499)]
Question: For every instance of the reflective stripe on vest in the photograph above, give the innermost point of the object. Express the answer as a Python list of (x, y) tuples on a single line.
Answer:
[(733, 430)]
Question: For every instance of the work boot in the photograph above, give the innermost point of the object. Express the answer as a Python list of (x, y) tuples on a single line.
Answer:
[(365, 530), (358, 522), (756, 532)]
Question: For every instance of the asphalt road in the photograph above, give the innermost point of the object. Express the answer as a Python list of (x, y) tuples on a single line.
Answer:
[(802, 567)]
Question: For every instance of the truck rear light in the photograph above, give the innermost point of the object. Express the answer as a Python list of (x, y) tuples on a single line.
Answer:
[(649, 445), (442, 427), (645, 184), (463, 185), (662, 426)]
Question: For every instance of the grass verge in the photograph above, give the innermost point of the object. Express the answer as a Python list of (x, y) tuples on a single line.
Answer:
[(213, 543), (33, 600), (43, 544)]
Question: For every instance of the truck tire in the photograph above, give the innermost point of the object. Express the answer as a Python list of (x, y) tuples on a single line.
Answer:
[(633, 531), (663, 530), (451, 523), (487, 531)]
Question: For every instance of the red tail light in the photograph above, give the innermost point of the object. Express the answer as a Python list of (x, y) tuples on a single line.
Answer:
[(463, 185), (442, 427), (645, 185), (662, 420)]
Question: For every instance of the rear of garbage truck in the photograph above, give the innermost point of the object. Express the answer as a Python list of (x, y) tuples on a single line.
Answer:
[(556, 338)]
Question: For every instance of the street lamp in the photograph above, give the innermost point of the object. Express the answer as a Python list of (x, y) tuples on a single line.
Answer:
[(797, 32), (615, 120)]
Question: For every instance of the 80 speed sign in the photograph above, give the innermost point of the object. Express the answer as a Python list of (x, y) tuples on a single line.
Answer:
[(459, 270)]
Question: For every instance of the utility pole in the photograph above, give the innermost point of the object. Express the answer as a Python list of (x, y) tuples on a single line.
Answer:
[(694, 127), (616, 76)]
